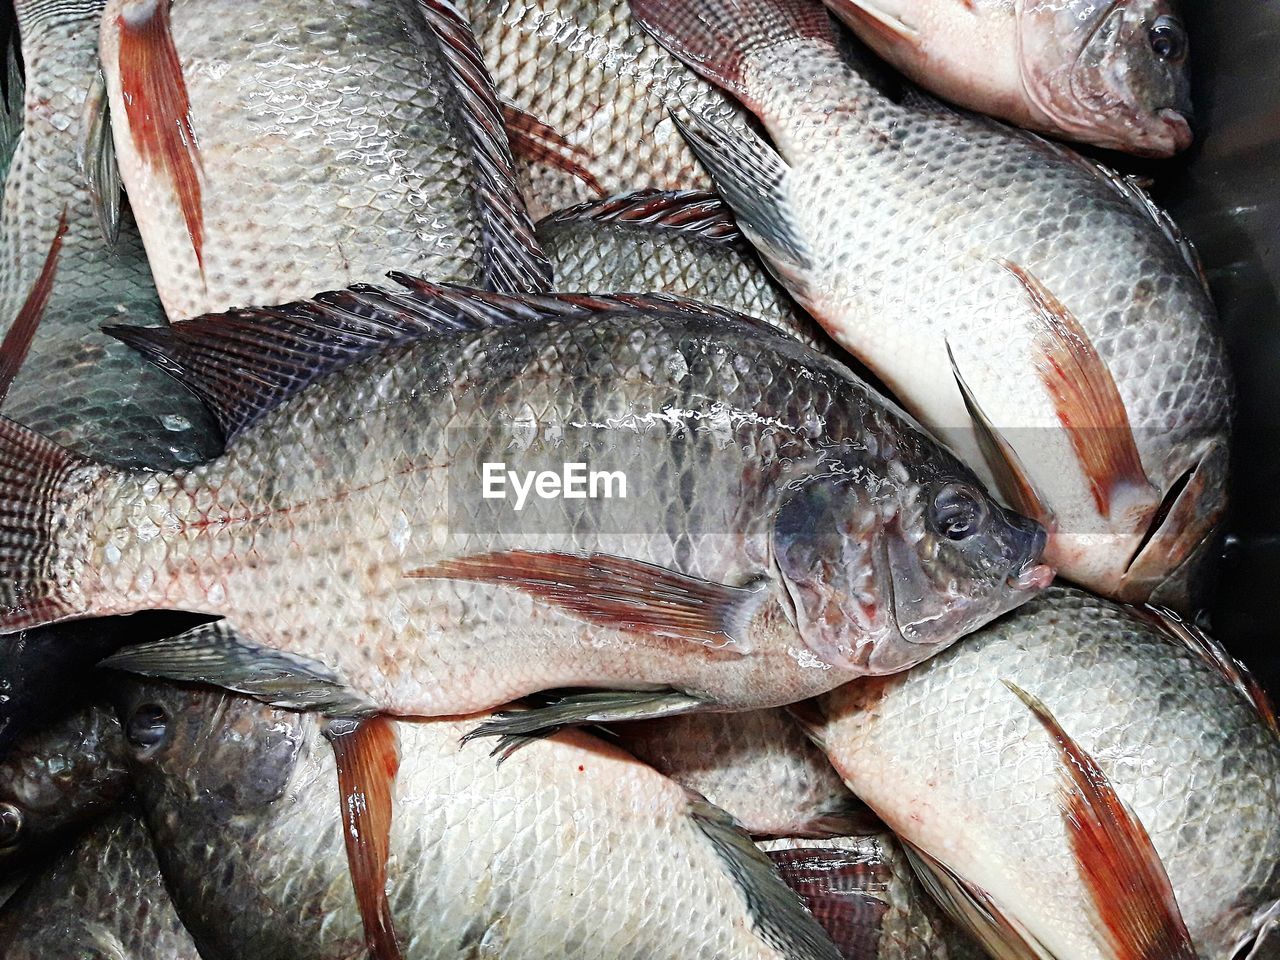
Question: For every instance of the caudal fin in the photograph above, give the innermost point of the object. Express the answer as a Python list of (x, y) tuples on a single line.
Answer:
[(718, 38), (38, 481)]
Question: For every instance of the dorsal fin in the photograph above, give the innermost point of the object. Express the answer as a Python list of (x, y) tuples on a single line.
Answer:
[(514, 261), (693, 212)]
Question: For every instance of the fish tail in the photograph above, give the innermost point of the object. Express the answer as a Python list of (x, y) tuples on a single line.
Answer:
[(719, 38), (39, 484)]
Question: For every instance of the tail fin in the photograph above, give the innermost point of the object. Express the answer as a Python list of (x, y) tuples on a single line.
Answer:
[(37, 483), (719, 37)]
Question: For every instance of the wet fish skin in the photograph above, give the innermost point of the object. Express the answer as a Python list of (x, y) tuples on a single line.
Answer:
[(103, 899), (257, 868), (586, 69), (758, 766), (1111, 75), (1183, 748), (841, 493), (334, 137)]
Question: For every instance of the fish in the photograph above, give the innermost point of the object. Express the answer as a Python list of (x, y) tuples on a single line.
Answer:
[(758, 766), (340, 138), (587, 97), (682, 242), (864, 893), (1079, 780), (1035, 310), (1112, 74), (238, 797), (760, 525), (103, 899)]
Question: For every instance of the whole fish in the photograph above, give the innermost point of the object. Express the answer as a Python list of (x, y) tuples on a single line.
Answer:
[(273, 150), (759, 527), (104, 899), (1111, 74), (682, 242), (1034, 310), (569, 848), (864, 893), (1130, 807), (757, 766), (588, 97)]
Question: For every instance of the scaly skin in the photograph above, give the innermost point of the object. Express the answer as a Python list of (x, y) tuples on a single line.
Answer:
[(957, 765)]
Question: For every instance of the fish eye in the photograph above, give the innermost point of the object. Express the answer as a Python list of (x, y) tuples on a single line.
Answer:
[(957, 512), (1169, 39), (147, 726), (10, 824)]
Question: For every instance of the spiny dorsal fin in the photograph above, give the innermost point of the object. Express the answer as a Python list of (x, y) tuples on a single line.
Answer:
[(18, 339), (692, 212), (1134, 909), (514, 261)]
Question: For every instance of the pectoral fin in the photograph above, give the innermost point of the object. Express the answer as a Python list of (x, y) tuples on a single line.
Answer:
[(98, 160), (872, 22)]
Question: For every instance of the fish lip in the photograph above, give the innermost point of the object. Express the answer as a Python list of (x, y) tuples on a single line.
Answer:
[(1178, 126), (1033, 577)]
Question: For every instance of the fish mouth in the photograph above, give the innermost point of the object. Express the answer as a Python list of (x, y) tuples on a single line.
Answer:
[(1177, 129), (1033, 575)]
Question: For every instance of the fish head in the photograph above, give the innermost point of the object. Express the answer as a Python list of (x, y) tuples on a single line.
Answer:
[(880, 575), (1111, 73)]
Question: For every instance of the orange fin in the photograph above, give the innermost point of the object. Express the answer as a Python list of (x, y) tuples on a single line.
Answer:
[(368, 760), (1134, 906), (1087, 400), (617, 592), (159, 112), (17, 342), (538, 142)]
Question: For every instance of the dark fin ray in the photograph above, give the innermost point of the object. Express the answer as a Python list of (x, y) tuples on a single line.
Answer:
[(718, 38), (617, 592), (35, 474), (1088, 402), (1133, 901), (98, 160), (216, 655), (690, 212), (159, 111), (368, 757), (17, 340), (516, 727), (1003, 461), (1214, 654), (780, 917), (844, 890), (972, 909), (514, 260), (540, 143)]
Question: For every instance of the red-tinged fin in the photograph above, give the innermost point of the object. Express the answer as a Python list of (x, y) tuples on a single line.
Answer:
[(1195, 640), (720, 38), (368, 757), (872, 24), (514, 262), (1135, 911), (540, 143), (36, 490), (694, 213), (1088, 402), (159, 111), (18, 339), (618, 593), (845, 891), (1005, 465)]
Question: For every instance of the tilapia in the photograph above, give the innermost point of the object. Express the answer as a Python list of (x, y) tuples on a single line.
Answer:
[(569, 848), (759, 527), (273, 150), (681, 242), (758, 766), (1111, 74), (588, 97), (1130, 807), (864, 893), (1034, 310), (104, 900)]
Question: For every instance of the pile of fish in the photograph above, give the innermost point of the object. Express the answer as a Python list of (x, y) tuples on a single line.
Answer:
[(587, 478)]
